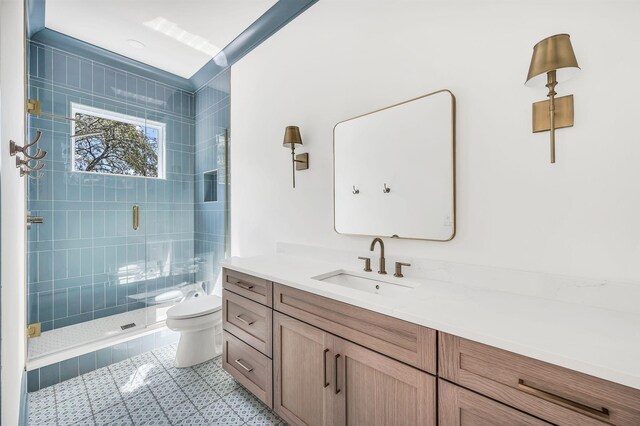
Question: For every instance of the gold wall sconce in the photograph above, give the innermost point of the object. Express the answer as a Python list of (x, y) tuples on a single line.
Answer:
[(292, 138), (554, 59)]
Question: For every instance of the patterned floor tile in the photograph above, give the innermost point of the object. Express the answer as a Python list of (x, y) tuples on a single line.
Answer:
[(180, 411), (188, 377), (73, 410), (157, 379), (44, 416), (244, 404), (225, 387), (144, 414), (98, 390), (102, 402), (194, 420), (122, 421), (230, 419), (111, 414), (266, 418), (200, 394), (212, 413), (142, 400), (89, 421), (148, 389), (69, 389), (158, 420), (39, 403)]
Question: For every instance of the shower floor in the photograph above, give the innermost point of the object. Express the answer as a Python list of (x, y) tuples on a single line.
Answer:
[(66, 342)]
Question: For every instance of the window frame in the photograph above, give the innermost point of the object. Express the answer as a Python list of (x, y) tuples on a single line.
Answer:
[(123, 118)]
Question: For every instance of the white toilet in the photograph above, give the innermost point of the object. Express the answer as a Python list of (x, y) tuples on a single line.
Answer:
[(199, 321)]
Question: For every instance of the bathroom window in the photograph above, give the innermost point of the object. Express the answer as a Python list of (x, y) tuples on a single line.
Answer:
[(118, 144)]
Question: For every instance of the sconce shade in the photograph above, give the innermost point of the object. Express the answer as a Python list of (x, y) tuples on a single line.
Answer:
[(552, 53), (291, 136)]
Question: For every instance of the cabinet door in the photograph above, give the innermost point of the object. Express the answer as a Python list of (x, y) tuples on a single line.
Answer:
[(461, 407), (302, 372), (376, 390)]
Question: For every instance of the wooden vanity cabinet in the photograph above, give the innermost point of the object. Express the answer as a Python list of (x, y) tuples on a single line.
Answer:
[(320, 362), (302, 372), (321, 379), (461, 407), (549, 392)]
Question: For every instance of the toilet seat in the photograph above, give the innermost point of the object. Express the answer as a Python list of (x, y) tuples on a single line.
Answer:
[(195, 307)]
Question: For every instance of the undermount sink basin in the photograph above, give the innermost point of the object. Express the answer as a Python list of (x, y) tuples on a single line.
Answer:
[(368, 282)]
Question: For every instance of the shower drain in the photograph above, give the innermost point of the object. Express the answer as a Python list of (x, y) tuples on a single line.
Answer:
[(124, 327)]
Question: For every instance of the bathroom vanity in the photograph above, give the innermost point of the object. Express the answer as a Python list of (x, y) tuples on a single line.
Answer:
[(318, 360)]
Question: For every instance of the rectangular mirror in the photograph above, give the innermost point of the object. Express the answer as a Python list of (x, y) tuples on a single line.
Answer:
[(394, 170)]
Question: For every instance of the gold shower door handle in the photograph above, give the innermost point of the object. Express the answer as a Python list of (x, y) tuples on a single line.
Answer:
[(136, 217)]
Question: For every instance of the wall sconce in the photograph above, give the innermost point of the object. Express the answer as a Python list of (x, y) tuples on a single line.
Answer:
[(300, 161), (554, 57)]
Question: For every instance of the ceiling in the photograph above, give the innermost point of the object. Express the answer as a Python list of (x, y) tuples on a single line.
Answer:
[(175, 36)]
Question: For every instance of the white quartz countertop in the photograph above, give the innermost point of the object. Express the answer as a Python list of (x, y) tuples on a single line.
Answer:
[(600, 342)]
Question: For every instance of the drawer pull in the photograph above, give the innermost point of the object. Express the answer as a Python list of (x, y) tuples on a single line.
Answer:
[(244, 285), (324, 368), (336, 372), (239, 318), (241, 364), (603, 413)]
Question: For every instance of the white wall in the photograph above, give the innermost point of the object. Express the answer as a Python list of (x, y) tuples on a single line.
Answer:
[(12, 214), (339, 59)]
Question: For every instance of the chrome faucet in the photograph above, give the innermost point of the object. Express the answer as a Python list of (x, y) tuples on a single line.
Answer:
[(381, 269)]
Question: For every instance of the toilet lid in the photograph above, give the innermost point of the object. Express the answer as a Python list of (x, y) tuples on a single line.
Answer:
[(195, 307)]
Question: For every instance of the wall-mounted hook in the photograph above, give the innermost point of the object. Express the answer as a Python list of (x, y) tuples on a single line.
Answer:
[(14, 148), (20, 162), (25, 172), (355, 191), (386, 189)]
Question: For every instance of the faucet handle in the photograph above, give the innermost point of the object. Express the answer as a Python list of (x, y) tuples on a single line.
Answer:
[(399, 266), (367, 263)]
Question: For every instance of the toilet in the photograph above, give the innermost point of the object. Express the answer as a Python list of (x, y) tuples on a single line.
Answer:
[(198, 319)]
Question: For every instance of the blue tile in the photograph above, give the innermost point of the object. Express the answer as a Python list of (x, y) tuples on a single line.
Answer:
[(98, 297), (87, 362), (49, 375), (60, 264), (103, 357), (119, 352), (59, 304), (45, 266), (33, 380), (98, 79), (73, 71), (111, 295), (73, 301), (86, 298), (86, 76), (73, 263), (45, 306), (69, 369)]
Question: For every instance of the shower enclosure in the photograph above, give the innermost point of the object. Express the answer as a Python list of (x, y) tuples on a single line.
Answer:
[(118, 247)]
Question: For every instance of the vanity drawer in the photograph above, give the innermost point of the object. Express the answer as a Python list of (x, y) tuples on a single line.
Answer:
[(461, 407), (249, 367), (251, 287), (248, 320), (549, 392), (410, 343)]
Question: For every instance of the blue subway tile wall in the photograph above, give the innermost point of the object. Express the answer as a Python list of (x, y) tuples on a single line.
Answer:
[(212, 118), (85, 260), (49, 375)]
